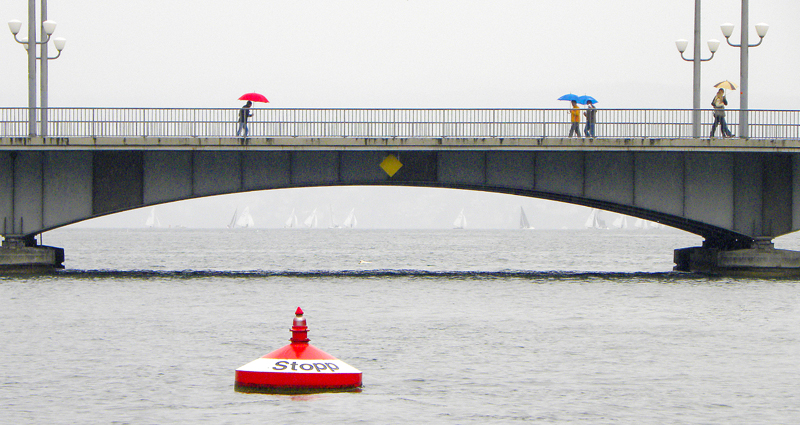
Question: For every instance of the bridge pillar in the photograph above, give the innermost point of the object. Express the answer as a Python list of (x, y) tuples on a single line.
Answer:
[(760, 260), (21, 254)]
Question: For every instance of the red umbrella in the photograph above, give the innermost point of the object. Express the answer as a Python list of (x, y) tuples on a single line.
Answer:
[(254, 97)]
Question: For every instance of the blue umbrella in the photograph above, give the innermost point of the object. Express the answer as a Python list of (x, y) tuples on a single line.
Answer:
[(584, 99), (569, 97)]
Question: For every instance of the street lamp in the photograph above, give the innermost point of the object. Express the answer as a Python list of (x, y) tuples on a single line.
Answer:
[(48, 28), (727, 30), (59, 42), (713, 45)]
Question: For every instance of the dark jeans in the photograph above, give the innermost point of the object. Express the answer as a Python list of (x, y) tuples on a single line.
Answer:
[(589, 129), (723, 128), (242, 126)]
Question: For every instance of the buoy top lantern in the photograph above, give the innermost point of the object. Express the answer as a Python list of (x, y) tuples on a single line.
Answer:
[(297, 368), (299, 328)]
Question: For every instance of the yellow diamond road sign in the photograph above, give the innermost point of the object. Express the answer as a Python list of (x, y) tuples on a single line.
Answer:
[(391, 165)]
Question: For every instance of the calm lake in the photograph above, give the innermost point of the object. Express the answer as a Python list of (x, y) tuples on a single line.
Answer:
[(447, 326)]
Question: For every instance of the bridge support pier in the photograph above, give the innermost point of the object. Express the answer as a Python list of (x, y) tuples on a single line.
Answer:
[(21, 254), (760, 260)]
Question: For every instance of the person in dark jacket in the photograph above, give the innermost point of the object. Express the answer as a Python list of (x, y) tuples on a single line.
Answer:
[(244, 114), (590, 114), (719, 103)]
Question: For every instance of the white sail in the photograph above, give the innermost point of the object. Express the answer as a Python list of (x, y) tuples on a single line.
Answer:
[(523, 220), (245, 220), (620, 222), (595, 221), (643, 224), (311, 220), (333, 224), (461, 221), (152, 220), (351, 221), (291, 221), (232, 224), (590, 221)]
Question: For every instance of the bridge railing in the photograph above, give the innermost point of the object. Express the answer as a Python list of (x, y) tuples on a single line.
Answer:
[(386, 123)]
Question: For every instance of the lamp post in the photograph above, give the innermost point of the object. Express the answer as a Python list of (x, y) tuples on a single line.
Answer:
[(30, 43), (727, 30), (713, 45)]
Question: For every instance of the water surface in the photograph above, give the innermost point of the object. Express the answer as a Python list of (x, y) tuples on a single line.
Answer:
[(451, 327)]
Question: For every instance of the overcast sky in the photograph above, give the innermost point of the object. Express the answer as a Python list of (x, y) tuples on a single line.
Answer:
[(399, 53)]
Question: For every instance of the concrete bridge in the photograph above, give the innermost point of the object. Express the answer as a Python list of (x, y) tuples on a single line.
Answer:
[(737, 193)]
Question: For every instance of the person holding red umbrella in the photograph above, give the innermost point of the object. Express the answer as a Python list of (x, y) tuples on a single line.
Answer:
[(244, 114)]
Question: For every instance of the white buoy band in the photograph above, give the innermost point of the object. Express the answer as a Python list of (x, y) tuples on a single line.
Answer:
[(331, 366)]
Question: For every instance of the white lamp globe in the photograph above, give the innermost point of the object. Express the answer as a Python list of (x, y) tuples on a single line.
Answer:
[(14, 26), (727, 29), (49, 27), (762, 29), (60, 42)]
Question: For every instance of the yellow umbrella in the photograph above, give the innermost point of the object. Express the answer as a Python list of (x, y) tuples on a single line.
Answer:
[(725, 85)]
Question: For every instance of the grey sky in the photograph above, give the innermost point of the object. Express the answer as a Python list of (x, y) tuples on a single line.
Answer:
[(398, 53)]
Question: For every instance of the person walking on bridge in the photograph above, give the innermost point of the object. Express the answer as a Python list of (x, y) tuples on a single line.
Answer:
[(590, 114), (575, 116), (719, 103), (244, 114)]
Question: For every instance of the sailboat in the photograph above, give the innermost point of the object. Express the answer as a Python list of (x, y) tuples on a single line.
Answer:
[(152, 220), (523, 220), (594, 221), (291, 221), (350, 221), (643, 224), (620, 222), (333, 222), (461, 221), (311, 220), (232, 224), (245, 220)]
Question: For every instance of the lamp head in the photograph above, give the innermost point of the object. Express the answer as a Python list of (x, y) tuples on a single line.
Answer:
[(727, 29), (681, 45), (14, 26), (24, 42), (713, 45), (60, 42), (49, 27), (761, 29)]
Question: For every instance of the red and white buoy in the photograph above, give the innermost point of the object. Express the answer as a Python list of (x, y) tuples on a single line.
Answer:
[(297, 368)]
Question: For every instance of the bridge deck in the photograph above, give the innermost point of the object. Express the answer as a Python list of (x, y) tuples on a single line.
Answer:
[(412, 143)]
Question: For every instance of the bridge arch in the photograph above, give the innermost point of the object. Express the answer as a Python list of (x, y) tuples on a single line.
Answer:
[(701, 193)]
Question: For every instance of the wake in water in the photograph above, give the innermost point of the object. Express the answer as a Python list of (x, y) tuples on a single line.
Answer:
[(380, 273)]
